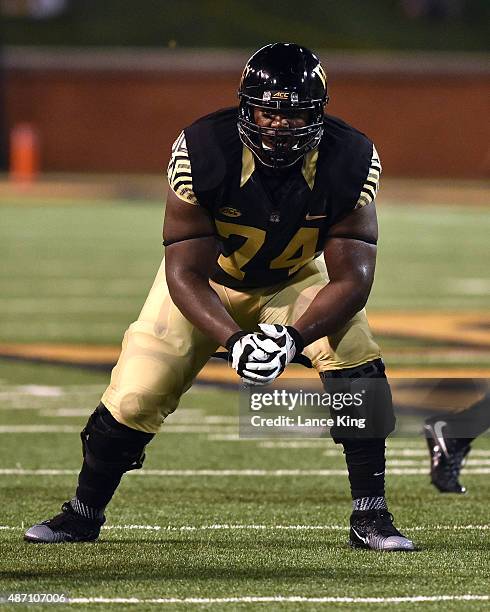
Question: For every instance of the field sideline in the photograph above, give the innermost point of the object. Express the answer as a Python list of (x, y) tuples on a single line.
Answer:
[(215, 522)]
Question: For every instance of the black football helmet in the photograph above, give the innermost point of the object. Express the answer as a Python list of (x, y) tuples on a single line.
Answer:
[(289, 78)]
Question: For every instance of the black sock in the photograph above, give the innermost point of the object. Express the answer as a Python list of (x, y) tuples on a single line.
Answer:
[(96, 489), (366, 465)]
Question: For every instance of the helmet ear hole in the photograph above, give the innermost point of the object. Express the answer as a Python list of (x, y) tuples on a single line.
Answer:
[(283, 77)]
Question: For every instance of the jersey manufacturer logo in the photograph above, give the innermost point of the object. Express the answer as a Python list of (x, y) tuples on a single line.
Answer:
[(313, 217), (230, 212)]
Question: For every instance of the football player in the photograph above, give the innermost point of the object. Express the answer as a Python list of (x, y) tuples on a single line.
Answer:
[(449, 439), (258, 193)]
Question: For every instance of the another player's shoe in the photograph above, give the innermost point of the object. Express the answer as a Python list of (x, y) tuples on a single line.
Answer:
[(374, 529), (68, 526), (447, 457)]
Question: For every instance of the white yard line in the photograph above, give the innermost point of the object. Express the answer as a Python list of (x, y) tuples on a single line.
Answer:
[(239, 527), (46, 389), (394, 449), (218, 429), (422, 452), (419, 462), (189, 418), (169, 428), (289, 444), (259, 527), (231, 437), (227, 473), (69, 304), (38, 407), (278, 599), (6, 429), (468, 286)]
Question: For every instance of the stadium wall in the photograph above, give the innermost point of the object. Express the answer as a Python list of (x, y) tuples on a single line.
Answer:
[(107, 111)]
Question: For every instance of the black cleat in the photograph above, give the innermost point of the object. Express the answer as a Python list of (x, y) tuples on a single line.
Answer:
[(447, 457), (374, 529), (69, 526)]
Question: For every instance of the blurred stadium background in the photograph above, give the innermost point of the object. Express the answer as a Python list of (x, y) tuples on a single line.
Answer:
[(92, 94)]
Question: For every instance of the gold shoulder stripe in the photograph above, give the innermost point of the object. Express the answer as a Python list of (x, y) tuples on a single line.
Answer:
[(179, 171), (371, 184)]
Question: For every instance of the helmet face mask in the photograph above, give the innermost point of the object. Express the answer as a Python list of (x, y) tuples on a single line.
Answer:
[(282, 146), (288, 81)]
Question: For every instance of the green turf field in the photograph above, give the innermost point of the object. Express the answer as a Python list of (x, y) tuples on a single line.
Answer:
[(200, 521), (178, 532), (80, 273)]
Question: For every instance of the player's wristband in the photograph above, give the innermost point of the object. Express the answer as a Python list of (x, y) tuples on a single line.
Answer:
[(299, 343), (234, 338)]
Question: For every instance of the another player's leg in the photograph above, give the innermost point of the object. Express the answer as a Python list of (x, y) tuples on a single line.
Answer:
[(350, 354), (162, 353), (449, 439)]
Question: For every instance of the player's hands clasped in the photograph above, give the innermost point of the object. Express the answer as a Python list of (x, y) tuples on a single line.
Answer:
[(259, 358)]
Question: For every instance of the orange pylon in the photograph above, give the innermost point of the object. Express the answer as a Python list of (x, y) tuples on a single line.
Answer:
[(24, 153)]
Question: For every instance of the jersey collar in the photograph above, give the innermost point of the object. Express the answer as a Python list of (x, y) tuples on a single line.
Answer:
[(308, 168), (248, 165)]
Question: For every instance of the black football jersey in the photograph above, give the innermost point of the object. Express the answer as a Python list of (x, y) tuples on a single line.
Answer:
[(270, 223)]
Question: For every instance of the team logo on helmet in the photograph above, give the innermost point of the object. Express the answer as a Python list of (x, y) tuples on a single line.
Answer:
[(281, 95)]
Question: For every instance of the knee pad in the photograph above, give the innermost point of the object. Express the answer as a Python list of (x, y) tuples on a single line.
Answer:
[(370, 413), (111, 448)]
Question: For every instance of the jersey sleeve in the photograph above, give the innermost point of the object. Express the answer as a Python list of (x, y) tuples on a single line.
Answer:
[(371, 184), (179, 172)]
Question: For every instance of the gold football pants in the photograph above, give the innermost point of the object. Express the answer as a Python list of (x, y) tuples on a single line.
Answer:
[(162, 352)]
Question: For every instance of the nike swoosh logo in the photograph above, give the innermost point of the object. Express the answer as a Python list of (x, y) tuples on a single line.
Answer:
[(313, 217), (365, 540), (378, 473), (438, 425)]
